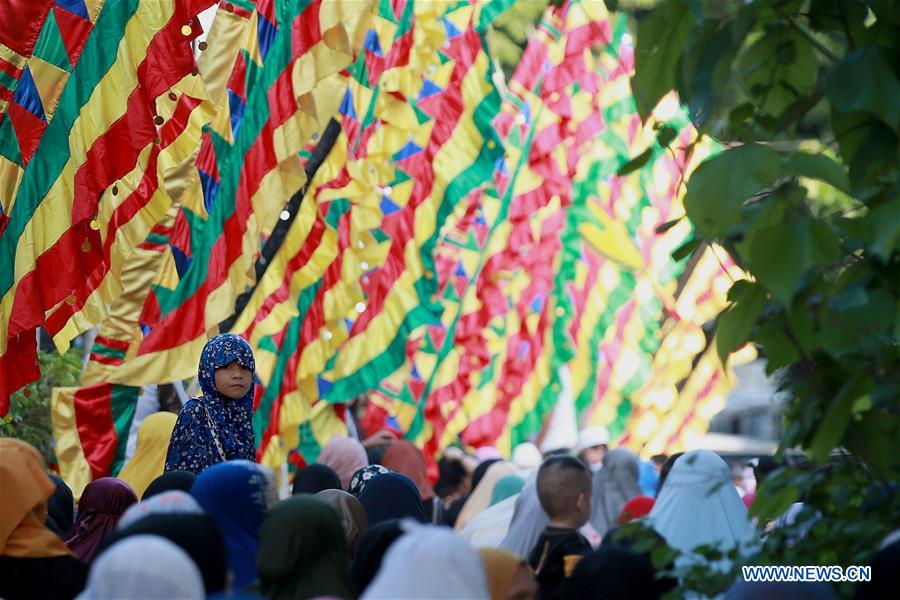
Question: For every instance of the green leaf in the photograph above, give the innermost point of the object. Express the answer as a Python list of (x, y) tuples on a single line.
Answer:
[(660, 41), (780, 255), (734, 325), (865, 82), (741, 113), (668, 225), (836, 420), (666, 135), (686, 249), (884, 224), (635, 163), (774, 498), (778, 69), (818, 166), (720, 185)]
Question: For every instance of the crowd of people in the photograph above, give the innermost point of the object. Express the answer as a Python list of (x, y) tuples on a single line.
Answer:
[(192, 516)]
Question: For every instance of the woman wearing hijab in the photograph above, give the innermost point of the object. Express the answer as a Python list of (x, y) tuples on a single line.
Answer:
[(404, 457), (234, 495), (167, 482), (362, 477), (614, 485), (480, 498), (60, 508), (353, 515), (303, 552), (429, 562), (196, 534), (698, 506), (346, 456), (490, 527), (370, 551), (315, 478), (174, 502), (392, 496), (149, 458), (102, 504), (528, 521), (144, 567), (34, 563), (453, 510), (509, 577), (217, 426), (507, 487)]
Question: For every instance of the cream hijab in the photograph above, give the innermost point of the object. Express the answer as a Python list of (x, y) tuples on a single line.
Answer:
[(481, 496)]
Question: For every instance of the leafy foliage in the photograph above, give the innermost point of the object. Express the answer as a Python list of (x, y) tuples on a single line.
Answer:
[(29, 415), (806, 198)]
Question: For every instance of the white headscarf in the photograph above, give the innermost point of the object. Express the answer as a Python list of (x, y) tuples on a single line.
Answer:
[(429, 562), (528, 521), (699, 506), (144, 567), (171, 502), (489, 528)]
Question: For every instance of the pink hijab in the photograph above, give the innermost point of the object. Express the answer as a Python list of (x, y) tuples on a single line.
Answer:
[(345, 455)]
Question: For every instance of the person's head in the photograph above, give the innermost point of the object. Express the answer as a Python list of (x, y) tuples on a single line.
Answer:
[(454, 479), (593, 443), (234, 494), (362, 477), (169, 481), (197, 534), (405, 457), (172, 502), (315, 478), (226, 367), (370, 551), (345, 455), (102, 504), (303, 551), (509, 576), (658, 460), (564, 489), (392, 496), (353, 515), (144, 566), (426, 562), (664, 471)]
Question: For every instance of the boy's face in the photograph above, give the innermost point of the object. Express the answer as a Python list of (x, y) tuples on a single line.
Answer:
[(233, 381)]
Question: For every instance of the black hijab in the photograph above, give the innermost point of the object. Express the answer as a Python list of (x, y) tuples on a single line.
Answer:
[(171, 480), (370, 551), (316, 478), (60, 508), (196, 534)]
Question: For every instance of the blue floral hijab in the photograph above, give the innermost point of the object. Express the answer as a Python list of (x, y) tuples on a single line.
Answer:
[(214, 428)]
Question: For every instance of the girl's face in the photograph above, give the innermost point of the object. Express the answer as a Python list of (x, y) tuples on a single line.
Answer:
[(233, 381)]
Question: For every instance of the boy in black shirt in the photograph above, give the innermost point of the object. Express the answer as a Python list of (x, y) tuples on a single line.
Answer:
[(564, 489)]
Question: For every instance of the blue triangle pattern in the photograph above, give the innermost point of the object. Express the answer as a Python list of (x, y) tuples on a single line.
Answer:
[(26, 95), (324, 386), (460, 270), (74, 6), (372, 43), (265, 33), (388, 206), (538, 303), (429, 88), (451, 29), (347, 105), (408, 150)]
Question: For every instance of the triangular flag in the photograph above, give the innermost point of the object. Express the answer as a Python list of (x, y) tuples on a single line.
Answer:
[(49, 81), (73, 30), (450, 28), (74, 6), (26, 95), (429, 88), (387, 206), (28, 128), (50, 46), (372, 44)]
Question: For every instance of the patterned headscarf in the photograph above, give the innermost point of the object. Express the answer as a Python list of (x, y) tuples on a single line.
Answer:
[(363, 476), (215, 428)]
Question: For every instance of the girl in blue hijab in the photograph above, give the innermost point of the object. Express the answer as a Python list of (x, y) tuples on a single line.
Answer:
[(234, 495), (217, 426)]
